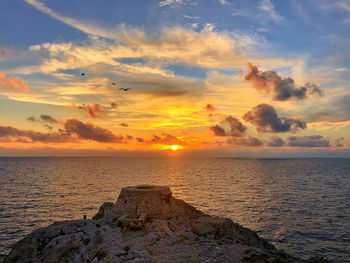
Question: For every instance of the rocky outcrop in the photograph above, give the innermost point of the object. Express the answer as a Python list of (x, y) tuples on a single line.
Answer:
[(147, 224), (155, 201)]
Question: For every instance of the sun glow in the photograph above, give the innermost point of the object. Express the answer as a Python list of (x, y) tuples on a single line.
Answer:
[(174, 147)]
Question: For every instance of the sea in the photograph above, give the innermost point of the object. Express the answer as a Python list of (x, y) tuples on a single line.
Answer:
[(300, 205)]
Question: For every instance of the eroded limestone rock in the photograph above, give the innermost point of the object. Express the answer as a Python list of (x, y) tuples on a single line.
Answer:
[(155, 201), (146, 225), (203, 229)]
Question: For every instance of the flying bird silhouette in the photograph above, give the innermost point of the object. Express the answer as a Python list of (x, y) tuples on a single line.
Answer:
[(82, 74), (125, 89), (113, 83)]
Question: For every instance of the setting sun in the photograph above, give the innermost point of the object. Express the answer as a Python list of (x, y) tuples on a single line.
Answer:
[(174, 147)]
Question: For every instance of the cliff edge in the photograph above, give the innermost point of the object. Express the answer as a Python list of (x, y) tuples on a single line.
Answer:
[(147, 224)]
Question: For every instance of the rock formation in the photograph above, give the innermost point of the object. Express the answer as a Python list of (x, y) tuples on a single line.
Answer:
[(147, 224)]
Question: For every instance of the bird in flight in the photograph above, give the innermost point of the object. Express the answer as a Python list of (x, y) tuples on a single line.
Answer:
[(114, 84), (82, 74), (125, 89)]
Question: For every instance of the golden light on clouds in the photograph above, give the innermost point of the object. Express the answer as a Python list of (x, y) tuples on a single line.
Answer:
[(188, 88)]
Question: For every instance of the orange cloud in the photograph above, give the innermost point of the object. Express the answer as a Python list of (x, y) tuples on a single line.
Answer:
[(164, 139), (11, 134), (43, 118), (12, 84), (210, 107), (89, 131), (75, 131), (168, 139), (94, 111)]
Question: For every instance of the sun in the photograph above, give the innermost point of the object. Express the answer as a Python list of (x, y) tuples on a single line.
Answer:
[(174, 147)]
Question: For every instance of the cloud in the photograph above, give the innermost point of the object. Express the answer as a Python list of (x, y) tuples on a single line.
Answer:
[(275, 141), (240, 73), (64, 56), (171, 3), (140, 139), (307, 141), (165, 139), (140, 78), (268, 7), (338, 142), (74, 130), (11, 134), (210, 107), (245, 141), (43, 118), (314, 89), (223, 2), (48, 118), (281, 88), (89, 131), (165, 87), (218, 131), (4, 51), (31, 118), (124, 124), (191, 17), (333, 109), (85, 27), (12, 84), (94, 111), (50, 128), (207, 49), (265, 119), (237, 129), (338, 4)]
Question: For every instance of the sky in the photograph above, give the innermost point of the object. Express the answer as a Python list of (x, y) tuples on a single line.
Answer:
[(260, 78)]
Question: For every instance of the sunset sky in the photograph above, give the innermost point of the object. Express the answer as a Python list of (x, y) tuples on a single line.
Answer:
[(260, 78)]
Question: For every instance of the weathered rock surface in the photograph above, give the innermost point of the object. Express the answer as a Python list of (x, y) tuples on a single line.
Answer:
[(147, 224)]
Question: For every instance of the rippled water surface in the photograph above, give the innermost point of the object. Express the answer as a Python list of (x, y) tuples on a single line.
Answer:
[(301, 205)]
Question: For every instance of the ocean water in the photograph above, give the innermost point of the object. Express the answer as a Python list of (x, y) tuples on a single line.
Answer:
[(300, 205)]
